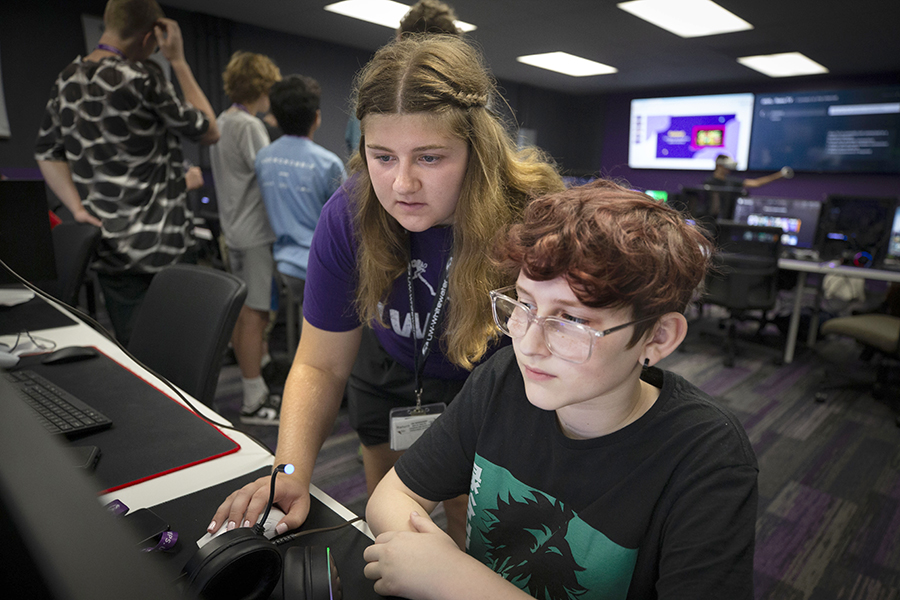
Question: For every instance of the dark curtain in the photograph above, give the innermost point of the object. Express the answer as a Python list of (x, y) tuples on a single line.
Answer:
[(207, 48)]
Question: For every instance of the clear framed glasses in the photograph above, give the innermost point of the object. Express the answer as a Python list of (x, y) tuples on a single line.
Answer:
[(567, 340)]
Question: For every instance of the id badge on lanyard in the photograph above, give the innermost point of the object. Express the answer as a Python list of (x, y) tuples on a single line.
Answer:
[(409, 423)]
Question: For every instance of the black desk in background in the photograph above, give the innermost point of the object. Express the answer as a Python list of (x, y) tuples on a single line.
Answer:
[(34, 315), (151, 435), (190, 515)]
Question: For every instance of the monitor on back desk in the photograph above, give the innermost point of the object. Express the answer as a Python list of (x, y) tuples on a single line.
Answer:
[(26, 245), (855, 229), (798, 219), (740, 238), (892, 257)]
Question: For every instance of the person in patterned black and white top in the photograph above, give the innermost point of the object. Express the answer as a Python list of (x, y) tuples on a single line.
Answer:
[(110, 148)]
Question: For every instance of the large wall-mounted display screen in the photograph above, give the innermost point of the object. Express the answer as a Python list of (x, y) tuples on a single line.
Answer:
[(842, 131), (688, 132)]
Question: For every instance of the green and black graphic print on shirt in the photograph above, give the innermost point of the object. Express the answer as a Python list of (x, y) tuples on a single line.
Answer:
[(538, 543)]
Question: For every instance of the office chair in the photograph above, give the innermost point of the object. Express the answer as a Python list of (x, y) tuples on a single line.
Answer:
[(74, 245), (744, 277), (185, 323), (879, 334)]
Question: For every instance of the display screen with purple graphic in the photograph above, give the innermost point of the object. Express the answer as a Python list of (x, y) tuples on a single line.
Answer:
[(689, 132)]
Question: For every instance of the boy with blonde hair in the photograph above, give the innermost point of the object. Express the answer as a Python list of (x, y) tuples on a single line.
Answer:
[(245, 225)]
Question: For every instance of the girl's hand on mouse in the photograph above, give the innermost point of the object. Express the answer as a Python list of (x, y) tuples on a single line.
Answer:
[(244, 507)]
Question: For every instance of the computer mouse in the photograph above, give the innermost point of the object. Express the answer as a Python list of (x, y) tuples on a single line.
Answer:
[(69, 354), (7, 359)]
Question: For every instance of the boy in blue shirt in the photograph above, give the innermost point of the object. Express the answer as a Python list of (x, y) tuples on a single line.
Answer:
[(296, 175)]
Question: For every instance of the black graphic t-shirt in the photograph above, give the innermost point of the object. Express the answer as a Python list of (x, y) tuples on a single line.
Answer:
[(117, 123), (663, 508)]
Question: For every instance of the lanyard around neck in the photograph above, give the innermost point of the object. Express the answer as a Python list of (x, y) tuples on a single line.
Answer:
[(112, 49), (436, 311)]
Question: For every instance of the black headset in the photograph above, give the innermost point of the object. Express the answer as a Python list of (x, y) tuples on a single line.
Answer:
[(244, 564)]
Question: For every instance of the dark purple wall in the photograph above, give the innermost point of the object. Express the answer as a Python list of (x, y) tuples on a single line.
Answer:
[(586, 134), (38, 39)]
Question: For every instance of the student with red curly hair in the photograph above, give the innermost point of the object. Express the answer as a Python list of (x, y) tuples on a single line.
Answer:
[(591, 472)]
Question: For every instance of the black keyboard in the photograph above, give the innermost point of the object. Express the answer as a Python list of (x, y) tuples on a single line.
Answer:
[(58, 411)]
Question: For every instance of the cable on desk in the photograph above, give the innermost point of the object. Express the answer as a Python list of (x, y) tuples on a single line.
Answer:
[(96, 326), (291, 536), (34, 340)]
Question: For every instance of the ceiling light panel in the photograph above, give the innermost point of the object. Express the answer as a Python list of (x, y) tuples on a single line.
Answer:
[(786, 64), (567, 64), (381, 12), (687, 18)]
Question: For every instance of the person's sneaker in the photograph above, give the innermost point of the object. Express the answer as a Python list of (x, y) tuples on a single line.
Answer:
[(267, 414)]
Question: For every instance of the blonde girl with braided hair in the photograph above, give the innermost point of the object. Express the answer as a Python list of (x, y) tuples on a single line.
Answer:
[(395, 308)]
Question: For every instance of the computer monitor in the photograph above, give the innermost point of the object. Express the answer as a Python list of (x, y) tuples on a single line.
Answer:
[(203, 202), (58, 542), (892, 257), (740, 238), (688, 132), (798, 219), (661, 195), (708, 203), (26, 245), (855, 228)]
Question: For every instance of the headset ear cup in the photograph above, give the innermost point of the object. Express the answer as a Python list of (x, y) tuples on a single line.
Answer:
[(295, 575), (309, 574), (239, 564)]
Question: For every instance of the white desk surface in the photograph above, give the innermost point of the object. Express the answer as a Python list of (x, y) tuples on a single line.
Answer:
[(249, 458), (807, 266), (804, 267)]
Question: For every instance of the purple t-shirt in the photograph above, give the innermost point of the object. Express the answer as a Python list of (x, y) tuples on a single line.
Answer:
[(328, 301)]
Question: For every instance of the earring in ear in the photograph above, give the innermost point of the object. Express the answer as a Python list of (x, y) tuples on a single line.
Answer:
[(646, 363)]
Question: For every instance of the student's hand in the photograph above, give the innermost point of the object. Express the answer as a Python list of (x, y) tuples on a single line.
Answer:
[(168, 37), (244, 507), (193, 178), (410, 563), (83, 216)]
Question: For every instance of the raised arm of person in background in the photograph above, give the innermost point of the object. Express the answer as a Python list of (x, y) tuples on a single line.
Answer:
[(309, 408), (785, 172), (171, 44)]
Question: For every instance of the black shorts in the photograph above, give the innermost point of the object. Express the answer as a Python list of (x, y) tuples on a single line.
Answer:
[(379, 383)]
